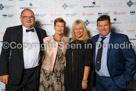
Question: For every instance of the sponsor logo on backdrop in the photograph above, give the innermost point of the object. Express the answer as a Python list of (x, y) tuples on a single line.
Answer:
[(53, 14), (7, 15), (87, 14), (115, 21), (119, 13), (132, 38), (132, 12), (30, 6), (103, 13), (70, 14), (130, 3), (65, 5), (2, 33), (5, 6), (87, 22), (48, 24), (20, 0), (40, 15), (1, 6), (131, 30), (93, 5)]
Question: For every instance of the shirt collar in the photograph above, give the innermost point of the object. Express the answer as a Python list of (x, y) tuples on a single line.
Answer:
[(107, 36), (24, 28)]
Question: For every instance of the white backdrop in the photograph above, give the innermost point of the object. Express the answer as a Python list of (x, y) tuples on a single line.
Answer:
[(122, 12)]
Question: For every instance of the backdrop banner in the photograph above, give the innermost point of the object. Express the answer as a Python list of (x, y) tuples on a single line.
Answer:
[(121, 12)]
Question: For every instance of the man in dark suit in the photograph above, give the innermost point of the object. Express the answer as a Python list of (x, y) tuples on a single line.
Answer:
[(21, 54), (115, 62)]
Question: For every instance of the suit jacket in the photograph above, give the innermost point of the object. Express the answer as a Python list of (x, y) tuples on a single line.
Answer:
[(121, 61), (51, 48), (11, 59)]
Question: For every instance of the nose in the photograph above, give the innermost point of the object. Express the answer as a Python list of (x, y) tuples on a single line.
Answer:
[(103, 27), (28, 18)]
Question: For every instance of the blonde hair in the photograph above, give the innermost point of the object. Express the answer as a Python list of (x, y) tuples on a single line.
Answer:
[(82, 24)]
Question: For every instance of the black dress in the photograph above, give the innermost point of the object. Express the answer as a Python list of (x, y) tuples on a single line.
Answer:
[(79, 54)]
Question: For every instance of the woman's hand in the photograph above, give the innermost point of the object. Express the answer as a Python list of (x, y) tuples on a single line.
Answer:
[(84, 85)]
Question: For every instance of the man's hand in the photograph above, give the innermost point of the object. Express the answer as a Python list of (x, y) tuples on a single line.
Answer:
[(4, 79)]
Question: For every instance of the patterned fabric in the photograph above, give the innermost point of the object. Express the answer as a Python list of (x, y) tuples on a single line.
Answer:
[(53, 80)]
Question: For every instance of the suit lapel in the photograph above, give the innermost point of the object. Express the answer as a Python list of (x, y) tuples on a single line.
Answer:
[(95, 41), (40, 40), (111, 42), (20, 41), (39, 36)]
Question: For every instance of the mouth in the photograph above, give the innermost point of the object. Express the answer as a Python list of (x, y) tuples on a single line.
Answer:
[(78, 34), (103, 30), (28, 21)]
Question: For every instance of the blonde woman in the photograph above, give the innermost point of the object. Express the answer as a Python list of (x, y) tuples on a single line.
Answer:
[(78, 59), (52, 69)]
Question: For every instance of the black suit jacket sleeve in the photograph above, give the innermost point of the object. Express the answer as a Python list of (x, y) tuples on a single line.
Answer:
[(5, 53)]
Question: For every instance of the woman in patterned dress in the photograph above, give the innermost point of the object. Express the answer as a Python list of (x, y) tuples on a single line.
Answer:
[(53, 62)]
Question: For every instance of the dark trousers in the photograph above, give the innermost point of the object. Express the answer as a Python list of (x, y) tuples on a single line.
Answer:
[(30, 81), (106, 84)]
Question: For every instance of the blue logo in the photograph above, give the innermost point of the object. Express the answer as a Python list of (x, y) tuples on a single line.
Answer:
[(64, 5), (132, 12), (87, 22), (1, 7), (21, 0), (99, 14), (7, 15), (130, 3), (103, 13)]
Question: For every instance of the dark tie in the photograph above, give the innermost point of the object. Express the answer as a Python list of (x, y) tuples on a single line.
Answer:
[(99, 55), (28, 30)]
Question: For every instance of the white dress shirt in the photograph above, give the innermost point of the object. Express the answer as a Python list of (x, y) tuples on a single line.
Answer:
[(31, 48)]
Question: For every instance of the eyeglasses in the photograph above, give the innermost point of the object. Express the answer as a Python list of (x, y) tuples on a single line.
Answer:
[(31, 17)]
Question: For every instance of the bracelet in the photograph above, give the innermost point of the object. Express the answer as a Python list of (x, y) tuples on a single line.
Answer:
[(85, 81)]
